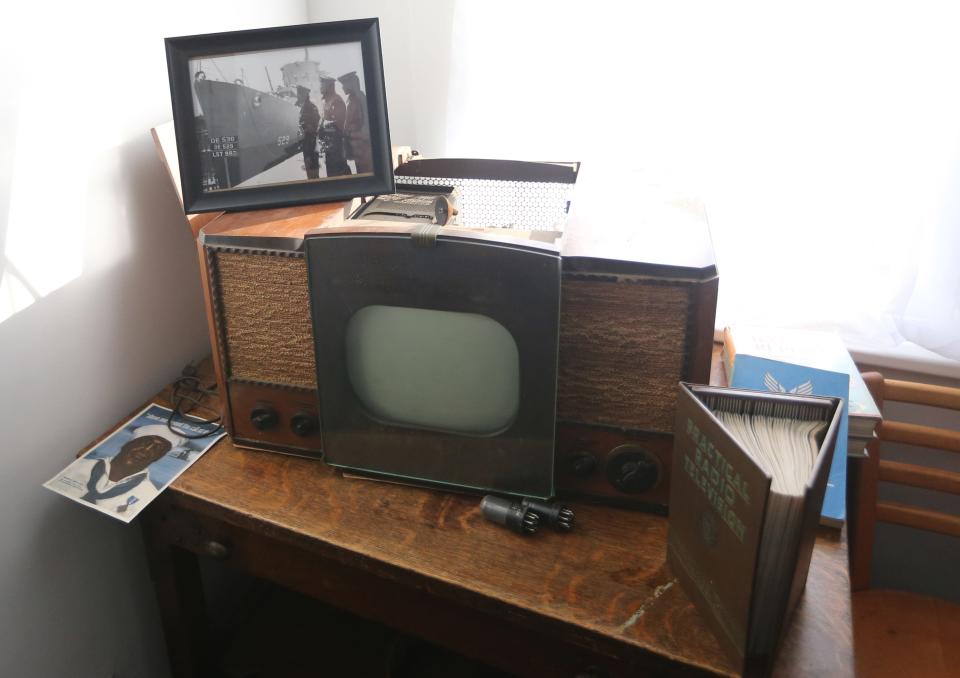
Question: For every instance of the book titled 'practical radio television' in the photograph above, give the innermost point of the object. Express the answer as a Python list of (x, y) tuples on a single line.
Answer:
[(749, 475)]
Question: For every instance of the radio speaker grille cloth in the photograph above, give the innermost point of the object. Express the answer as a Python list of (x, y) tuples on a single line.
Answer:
[(264, 318), (621, 360)]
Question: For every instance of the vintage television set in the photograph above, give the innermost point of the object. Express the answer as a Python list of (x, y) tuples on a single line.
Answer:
[(484, 359)]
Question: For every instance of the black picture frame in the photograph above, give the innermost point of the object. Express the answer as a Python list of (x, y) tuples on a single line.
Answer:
[(208, 150)]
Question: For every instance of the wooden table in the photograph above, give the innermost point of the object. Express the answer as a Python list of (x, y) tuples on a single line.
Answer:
[(599, 601)]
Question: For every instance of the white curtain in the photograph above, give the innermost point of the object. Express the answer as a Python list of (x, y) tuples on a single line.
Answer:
[(823, 138)]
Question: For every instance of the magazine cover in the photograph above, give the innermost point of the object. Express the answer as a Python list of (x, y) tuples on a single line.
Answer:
[(124, 472)]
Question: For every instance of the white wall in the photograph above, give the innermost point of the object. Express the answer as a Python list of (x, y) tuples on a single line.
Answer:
[(100, 305), (416, 39)]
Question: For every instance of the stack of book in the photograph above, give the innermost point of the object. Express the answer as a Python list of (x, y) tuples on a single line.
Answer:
[(806, 362), (808, 348)]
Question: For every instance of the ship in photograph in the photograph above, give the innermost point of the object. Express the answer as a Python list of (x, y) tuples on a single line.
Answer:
[(244, 131)]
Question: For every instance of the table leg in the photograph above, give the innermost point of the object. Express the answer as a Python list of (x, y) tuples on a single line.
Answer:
[(179, 588)]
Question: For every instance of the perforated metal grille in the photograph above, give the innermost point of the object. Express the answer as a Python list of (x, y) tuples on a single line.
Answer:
[(489, 203)]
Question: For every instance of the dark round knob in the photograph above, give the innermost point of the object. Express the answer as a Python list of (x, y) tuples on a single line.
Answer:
[(263, 417), (636, 476), (582, 464), (632, 469), (304, 423)]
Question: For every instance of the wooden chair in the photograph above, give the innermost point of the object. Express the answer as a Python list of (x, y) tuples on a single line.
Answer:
[(898, 633)]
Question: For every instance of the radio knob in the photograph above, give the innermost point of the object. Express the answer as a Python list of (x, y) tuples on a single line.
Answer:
[(263, 417), (632, 469), (637, 476), (582, 464), (303, 424)]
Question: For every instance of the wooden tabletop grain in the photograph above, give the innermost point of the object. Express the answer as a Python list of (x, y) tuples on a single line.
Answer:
[(605, 586)]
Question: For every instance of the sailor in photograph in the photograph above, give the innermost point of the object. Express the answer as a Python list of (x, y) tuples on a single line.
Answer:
[(357, 126), (331, 128), (309, 122), (122, 481)]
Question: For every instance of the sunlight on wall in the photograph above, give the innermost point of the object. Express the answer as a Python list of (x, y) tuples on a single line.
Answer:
[(46, 220), (67, 177)]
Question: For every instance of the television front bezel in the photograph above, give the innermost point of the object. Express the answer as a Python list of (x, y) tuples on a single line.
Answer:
[(515, 282)]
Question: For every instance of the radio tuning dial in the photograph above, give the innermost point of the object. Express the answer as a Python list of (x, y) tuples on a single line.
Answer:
[(633, 470), (303, 424), (264, 417)]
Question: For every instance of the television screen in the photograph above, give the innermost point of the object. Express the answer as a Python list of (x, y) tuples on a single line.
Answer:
[(440, 370)]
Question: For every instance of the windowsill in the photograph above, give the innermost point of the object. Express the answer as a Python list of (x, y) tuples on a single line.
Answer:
[(907, 357)]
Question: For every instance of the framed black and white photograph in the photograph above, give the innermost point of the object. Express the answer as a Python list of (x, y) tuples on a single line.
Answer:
[(280, 116)]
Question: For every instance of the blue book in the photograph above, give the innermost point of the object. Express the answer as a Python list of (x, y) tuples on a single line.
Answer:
[(763, 374)]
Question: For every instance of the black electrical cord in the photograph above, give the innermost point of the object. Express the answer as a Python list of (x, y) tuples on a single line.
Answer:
[(187, 395)]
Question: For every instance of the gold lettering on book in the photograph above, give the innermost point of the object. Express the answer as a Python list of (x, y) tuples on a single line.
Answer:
[(716, 478)]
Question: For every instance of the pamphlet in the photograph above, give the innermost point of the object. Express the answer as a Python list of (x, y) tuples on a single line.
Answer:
[(123, 473)]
